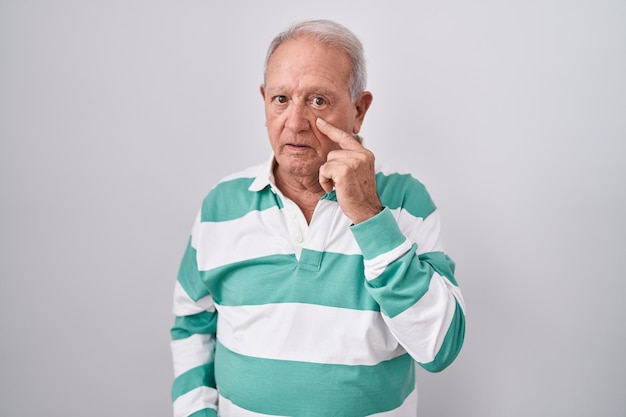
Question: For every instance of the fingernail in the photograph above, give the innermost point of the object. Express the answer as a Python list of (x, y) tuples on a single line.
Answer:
[(321, 121)]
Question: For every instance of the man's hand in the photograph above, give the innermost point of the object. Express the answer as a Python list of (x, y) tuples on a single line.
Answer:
[(350, 171)]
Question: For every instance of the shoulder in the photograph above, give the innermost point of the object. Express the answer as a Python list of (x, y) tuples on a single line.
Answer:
[(247, 174), (232, 197), (402, 190)]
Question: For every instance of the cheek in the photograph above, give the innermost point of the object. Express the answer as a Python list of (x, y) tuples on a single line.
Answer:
[(341, 119), (271, 120), (274, 130), (327, 145)]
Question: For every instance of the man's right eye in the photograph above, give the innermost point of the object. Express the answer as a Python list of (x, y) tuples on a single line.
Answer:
[(280, 99)]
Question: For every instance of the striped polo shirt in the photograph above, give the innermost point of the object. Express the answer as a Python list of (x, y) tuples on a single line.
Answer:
[(277, 317)]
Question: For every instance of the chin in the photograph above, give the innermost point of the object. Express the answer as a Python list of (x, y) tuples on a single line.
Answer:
[(299, 168)]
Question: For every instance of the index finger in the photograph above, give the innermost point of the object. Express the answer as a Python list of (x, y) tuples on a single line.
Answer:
[(344, 139)]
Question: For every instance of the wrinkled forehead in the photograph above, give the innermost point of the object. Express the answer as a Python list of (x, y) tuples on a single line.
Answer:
[(306, 58)]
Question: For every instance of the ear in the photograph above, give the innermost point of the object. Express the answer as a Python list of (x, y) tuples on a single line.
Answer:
[(262, 89), (361, 104)]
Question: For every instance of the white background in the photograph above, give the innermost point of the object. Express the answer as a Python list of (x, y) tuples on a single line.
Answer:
[(116, 117)]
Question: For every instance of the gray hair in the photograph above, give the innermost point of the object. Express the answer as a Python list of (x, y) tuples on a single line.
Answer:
[(333, 35)]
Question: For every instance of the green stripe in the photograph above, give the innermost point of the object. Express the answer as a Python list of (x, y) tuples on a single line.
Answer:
[(303, 389), (452, 343), (231, 200), (441, 263), (396, 290), (402, 190), (378, 235), (331, 196), (322, 278), (201, 323), (188, 275), (200, 376)]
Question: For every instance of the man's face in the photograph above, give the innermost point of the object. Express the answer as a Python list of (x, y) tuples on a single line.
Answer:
[(306, 80)]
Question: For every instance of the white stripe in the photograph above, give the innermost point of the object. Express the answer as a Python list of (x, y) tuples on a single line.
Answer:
[(407, 409), (194, 230), (185, 306), (191, 352), (228, 409), (376, 266), (265, 233), (334, 234), (424, 232), (296, 224), (456, 292), (257, 234), (195, 400), (422, 327), (307, 333)]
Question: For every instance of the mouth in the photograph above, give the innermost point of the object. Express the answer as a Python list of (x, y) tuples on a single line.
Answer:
[(296, 147)]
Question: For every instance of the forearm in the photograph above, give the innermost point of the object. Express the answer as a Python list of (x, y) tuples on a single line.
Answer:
[(194, 390), (414, 286)]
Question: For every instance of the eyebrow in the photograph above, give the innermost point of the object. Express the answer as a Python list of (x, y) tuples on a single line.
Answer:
[(308, 91), (323, 92)]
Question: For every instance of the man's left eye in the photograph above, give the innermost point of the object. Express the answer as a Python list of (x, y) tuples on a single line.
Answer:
[(319, 101)]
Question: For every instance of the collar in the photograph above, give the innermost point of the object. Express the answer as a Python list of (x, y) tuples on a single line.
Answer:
[(265, 176)]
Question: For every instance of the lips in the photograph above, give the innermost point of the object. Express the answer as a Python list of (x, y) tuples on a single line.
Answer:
[(296, 146)]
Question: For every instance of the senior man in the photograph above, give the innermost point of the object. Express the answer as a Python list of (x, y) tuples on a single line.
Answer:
[(312, 284)]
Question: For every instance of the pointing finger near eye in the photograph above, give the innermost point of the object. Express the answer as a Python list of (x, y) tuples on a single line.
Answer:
[(344, 139)]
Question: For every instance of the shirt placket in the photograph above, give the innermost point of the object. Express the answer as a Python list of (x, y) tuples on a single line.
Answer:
[(297, 226)]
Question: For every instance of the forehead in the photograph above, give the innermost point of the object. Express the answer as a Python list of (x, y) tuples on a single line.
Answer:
[(304, 61)]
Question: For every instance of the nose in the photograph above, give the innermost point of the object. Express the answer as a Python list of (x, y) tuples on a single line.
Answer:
[(299, 117)]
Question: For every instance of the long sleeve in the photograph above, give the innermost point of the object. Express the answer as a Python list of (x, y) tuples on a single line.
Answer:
[(194, 391), (412, 279)]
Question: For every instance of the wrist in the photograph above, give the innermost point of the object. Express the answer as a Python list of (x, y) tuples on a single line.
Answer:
[(368, 214)]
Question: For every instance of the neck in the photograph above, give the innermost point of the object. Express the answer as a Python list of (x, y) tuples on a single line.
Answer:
[(304, 191)]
